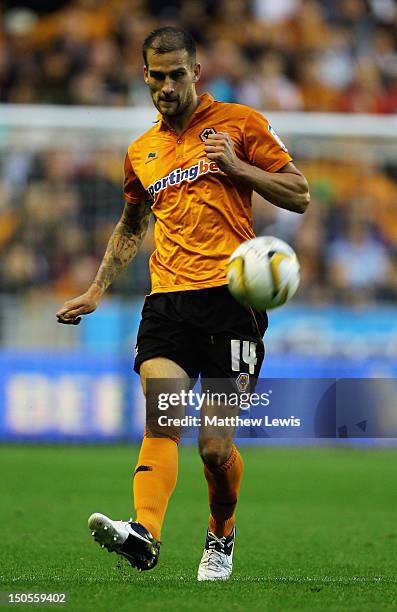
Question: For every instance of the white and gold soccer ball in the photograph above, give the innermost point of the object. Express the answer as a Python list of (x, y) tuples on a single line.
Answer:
[(263, 273)]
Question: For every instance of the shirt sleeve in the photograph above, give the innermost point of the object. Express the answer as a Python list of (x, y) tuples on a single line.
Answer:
[(262, 145), (134, 192)]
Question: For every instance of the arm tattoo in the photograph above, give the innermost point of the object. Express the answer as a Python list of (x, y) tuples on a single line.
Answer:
[(123, 244)]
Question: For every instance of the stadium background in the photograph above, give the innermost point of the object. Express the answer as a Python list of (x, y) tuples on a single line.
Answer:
[(316, 524), (73, 98)]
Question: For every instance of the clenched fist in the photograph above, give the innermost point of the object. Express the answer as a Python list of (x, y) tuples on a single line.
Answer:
[(219, 148)]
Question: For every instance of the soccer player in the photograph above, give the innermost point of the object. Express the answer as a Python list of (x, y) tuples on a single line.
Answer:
[(195, 171)]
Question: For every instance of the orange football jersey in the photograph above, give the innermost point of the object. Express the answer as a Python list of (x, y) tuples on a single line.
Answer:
[(201, 214)]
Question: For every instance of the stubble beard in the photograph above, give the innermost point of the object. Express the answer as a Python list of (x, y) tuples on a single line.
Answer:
[(178, 111)]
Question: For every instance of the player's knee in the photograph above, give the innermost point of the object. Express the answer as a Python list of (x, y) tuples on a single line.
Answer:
[(214, 451)]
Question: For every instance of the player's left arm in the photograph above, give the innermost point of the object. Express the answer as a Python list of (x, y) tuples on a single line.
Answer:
[(287, 188)]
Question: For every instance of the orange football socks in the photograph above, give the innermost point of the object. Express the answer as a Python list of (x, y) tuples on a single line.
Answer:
[(223, 487), (154, 481)]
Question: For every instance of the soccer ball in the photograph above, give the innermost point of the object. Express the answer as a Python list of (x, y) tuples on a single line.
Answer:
[(263, 273)]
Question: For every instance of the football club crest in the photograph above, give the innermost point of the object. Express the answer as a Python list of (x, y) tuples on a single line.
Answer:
[(242, 382), (207, 132)]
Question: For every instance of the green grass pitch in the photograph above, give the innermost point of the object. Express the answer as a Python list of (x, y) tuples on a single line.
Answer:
[(317, 530)]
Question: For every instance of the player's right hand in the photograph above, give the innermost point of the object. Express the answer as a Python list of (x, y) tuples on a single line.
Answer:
[(72, 310)]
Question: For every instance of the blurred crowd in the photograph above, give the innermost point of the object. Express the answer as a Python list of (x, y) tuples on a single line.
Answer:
[(58, 208), (347, 240), (271, 54)]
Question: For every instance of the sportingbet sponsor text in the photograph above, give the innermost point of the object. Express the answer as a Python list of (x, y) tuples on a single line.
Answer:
[(178, 175)]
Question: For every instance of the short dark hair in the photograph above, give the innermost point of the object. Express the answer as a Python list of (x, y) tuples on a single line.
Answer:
[(167, 39)]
